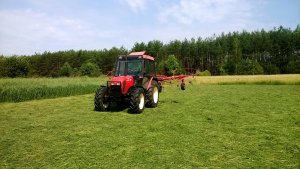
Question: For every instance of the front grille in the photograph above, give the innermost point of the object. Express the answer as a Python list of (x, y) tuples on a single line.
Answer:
[(115, 90)]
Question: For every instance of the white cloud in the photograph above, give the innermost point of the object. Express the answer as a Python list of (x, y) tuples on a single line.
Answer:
[(25, 31), (136, 5), (204, 18), (205, 11)]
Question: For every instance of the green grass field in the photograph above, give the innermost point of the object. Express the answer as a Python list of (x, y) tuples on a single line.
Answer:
[(205, 126)]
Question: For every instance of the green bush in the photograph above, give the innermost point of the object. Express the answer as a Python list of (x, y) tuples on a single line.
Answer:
[(293, 66), (204, 73), (66, 70), (271, 69), (89, 69), (249, 67), (171, 66), (14, 66)]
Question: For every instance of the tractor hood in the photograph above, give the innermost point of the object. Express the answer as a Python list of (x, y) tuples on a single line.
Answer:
[(125, 82), (122, 79)]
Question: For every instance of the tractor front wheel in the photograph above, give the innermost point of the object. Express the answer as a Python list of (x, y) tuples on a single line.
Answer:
[(101, 99), (137, 100), (153, 95)]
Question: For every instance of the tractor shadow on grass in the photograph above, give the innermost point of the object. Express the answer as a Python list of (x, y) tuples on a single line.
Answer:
[(116, 108), (120, 108)]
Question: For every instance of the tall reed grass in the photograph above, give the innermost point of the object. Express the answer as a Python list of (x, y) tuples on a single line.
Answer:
[(22, 89)]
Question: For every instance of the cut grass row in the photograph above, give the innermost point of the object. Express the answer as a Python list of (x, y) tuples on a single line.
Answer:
[(22, 89), (205, 126), (291, 79)]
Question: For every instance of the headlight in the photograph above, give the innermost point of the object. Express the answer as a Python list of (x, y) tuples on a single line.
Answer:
[(115, 83)]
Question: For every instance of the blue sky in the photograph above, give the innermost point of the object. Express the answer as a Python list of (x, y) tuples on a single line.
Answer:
[(29, 26)]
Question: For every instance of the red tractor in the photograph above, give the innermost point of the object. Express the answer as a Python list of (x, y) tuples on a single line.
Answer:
[(134, 84)]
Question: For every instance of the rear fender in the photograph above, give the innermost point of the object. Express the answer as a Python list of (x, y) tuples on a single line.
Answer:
[(149, 83)]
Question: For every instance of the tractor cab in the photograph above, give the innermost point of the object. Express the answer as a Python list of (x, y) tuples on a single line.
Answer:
[(135, 64)]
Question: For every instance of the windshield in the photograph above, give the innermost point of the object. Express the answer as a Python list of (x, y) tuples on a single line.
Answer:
[(133, 68)]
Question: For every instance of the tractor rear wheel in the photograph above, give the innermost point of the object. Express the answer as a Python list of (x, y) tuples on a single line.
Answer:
[(153, 95), (137, 100), (101, 99)]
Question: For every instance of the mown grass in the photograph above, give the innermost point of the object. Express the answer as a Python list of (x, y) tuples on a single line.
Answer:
[(205, 126), (290, 79), (22, 89)]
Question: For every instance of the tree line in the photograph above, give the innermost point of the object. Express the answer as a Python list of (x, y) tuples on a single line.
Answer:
[(259, 52)]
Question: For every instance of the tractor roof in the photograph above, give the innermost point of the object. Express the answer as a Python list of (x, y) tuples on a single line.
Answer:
[(142, 53)]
